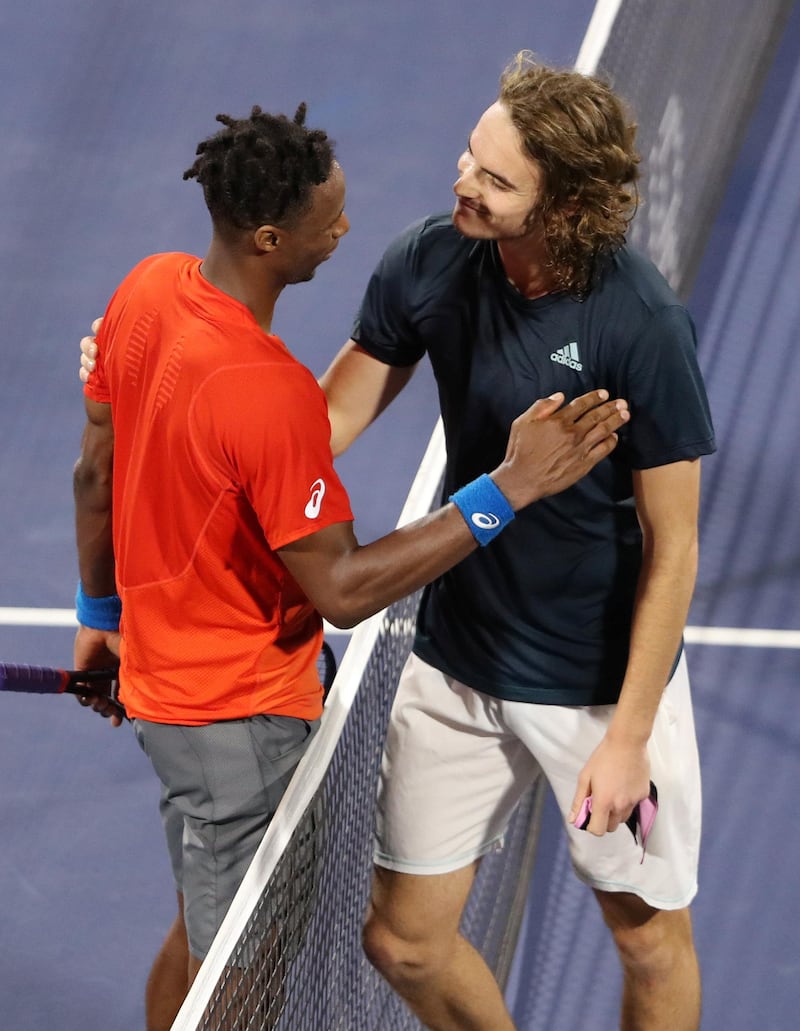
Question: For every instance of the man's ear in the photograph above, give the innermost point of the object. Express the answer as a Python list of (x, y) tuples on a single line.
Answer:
[(266, 238)]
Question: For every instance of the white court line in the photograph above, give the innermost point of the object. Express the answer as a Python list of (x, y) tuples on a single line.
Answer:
[(742, 637), (736, 637), (66, 617), (37, 617)]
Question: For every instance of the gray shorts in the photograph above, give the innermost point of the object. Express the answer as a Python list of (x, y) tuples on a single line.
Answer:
[(221, 784)]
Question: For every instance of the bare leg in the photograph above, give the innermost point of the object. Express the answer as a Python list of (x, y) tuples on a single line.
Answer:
[(175, 969), (411, 936), (661, 988), (168, 982)]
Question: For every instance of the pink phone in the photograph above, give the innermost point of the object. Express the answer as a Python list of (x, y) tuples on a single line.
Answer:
[(640, 821)]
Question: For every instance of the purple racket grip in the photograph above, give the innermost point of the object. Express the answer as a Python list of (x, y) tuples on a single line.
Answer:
[(32, 679)]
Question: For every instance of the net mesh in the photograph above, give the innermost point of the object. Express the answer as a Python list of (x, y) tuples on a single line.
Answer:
[(288, 955), (304, 929), (692, 74)]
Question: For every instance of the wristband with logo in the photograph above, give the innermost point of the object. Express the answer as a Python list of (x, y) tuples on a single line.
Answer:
[(98, 613), (484, 507)]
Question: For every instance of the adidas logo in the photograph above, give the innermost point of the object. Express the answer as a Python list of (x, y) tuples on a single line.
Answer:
[(568, 356)]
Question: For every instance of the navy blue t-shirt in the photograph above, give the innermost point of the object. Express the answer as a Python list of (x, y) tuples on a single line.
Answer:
[(543, 613)]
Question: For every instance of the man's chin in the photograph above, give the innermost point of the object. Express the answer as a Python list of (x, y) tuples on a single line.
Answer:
[(471, 226), (305, 277)]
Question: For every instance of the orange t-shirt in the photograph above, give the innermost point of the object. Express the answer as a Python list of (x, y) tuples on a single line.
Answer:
[(221, 456)]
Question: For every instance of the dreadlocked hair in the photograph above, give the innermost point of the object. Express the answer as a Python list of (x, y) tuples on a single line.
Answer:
[(261, 170), (579, 132)]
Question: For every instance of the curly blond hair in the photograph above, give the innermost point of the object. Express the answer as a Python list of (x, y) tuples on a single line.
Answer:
[(580, 133)]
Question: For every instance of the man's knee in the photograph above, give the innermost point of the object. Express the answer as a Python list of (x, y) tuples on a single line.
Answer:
[(401, 958), (411, 929), (651, 942), (381, 947), (650, 950)]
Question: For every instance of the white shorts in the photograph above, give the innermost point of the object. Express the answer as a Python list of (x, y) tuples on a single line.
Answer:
[(457, 762)]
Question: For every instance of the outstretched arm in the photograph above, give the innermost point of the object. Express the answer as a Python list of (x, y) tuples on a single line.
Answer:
[(617, 775), (549, 449)]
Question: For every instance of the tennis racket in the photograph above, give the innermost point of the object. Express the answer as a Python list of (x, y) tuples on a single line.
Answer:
[(51, 680)]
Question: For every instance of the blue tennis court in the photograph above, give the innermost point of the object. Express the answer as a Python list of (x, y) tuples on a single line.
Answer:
[(103, 104)]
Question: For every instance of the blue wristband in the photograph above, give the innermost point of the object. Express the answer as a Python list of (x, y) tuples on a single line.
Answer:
[(98, 613), (484, 507)]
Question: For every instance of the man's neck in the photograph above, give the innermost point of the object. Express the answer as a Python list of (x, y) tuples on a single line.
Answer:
[(241, 277), (526, 267)]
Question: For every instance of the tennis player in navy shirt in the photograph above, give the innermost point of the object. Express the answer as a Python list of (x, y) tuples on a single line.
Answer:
[(556, 647)]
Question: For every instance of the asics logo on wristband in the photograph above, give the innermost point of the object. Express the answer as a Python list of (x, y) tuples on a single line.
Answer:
[(485, 520), (315, 501), (470, 499)]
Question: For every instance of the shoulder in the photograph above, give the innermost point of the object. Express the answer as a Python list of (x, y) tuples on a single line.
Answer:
[(429, 230), (632, 296), (632, 274), (155, 271), (139, 294), (166, 263), (428, 244)]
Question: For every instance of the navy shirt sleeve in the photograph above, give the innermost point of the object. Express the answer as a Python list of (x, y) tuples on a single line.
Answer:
[(659, 376), (383, 324)]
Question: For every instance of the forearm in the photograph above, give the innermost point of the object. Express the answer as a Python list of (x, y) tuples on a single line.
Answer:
[(549, 448), (95, 553), (365, 579), (666, 583), (358, 388), (92, 492), (95, 647)]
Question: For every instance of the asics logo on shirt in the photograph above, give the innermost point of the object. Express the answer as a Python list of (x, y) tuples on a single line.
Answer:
[(485, 520), (569, 356), (315, 501)]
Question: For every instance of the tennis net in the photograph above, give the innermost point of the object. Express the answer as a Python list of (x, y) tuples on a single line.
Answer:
[(692, 73), (288, 955)]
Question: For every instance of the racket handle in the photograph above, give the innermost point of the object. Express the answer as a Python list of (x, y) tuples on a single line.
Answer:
[(326, 668), (36, 679), (50, 679)]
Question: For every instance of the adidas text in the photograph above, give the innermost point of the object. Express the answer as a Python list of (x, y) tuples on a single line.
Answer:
[(568, 356)]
